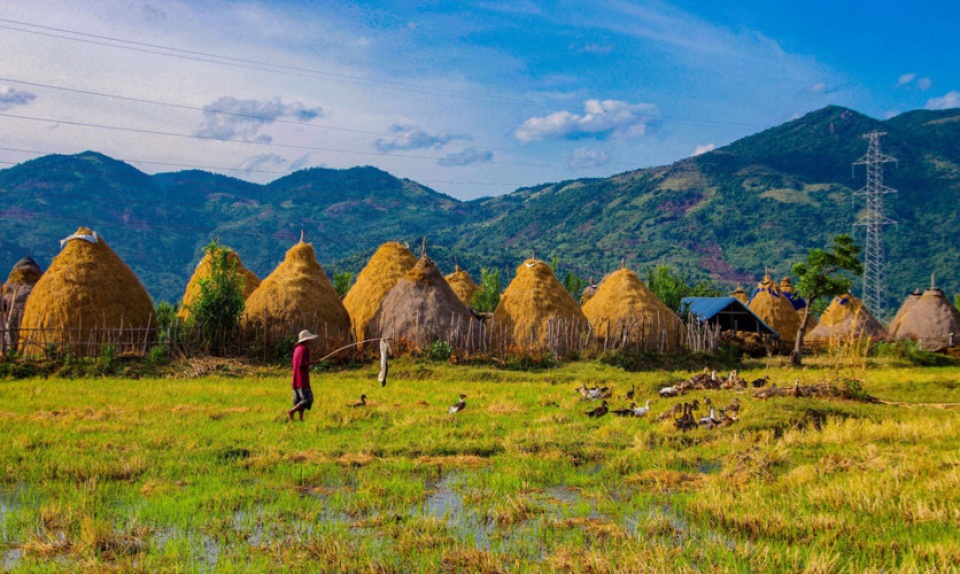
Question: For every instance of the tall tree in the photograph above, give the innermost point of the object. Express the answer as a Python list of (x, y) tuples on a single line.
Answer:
[(671, 287), (824, 274), (488, 296)]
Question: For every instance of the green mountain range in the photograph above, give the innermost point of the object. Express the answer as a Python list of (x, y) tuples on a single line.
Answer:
[(729, 214)]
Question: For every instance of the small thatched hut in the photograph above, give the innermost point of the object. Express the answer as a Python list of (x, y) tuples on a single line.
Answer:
[(770, 304), (740, 295), (13, 299), (909, 302), (204, 268), (463, 285), (932, 320), (536, 312), (87, 298), (846, 318), (786, 287), (297, 295), (387, 266), (625, 310), (422, 308)]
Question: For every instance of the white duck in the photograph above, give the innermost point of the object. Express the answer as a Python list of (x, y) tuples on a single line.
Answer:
[(642, 411)]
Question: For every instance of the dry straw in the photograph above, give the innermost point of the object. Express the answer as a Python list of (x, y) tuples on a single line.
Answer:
[(536, 311), (625, 311), (786, 287), (932, 320), (422, 308), (846, 317), (740, 295), (387, 266), (297, 295), (771, 305), (908, 303), (203, 270), (13, 298), (87, 287), (463, 285)]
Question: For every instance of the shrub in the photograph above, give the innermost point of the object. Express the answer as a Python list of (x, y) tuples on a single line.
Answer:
[(488, 296), (217, 310)]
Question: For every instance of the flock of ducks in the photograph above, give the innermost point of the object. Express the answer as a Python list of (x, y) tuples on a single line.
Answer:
[(707, 381)]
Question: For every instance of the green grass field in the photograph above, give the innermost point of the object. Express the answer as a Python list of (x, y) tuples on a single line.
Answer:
[(204, 474)]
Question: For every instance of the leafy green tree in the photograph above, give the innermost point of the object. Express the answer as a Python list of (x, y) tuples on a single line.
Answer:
[(341, 282), (670, 287), (216, 313), (574, 285), (824, 274), (488, 296)]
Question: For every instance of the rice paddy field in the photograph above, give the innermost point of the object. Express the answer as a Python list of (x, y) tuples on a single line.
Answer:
[(204, 474)]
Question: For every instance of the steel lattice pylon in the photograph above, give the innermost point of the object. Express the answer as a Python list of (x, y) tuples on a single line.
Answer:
[(874, 259)]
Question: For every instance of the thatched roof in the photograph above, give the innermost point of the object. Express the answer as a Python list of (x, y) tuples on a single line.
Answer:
[(298, 295), (536, 311), (13, 298), (625, 309), (463, 285), (204, 268), (932, 320), (786, 287), (86, 287), (909, 302), (740, 295), (422, 308), (387, 266), (770, 304), (846, 317)]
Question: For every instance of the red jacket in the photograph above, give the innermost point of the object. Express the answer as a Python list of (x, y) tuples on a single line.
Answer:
[(301, 366)]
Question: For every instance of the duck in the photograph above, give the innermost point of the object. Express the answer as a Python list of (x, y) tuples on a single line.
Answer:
[(629, 394), (795, 391), (459, 406), (733, 407), (362, 403), (710, 420), (669, 392), (757, 383), (628, 412), (670, 413), (599, 411), (640, 411), (727, 419), (686, 421)]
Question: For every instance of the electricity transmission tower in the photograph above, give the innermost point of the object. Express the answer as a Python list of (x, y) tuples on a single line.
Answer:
[(873, 219)]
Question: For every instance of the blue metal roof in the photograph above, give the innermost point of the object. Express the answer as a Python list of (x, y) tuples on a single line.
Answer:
[(706, 308)]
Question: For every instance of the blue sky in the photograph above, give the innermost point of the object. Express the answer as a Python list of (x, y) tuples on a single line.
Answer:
[(472, 99)]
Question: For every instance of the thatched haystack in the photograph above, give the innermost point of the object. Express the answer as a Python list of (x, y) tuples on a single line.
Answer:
[(740, 295), (536, 312), (84, 300), (297, 295), (387, 266), (204, 268), (770, 304), (932, 320), (422, 308), (463, 285), (13, 299), (786, 287), (846, 318), (908, 303), (624, 310)]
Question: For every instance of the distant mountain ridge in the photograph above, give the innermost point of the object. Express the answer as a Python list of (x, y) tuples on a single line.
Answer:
[(757, 203)]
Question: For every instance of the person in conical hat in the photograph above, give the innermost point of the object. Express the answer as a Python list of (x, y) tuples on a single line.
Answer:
[(302, 393)]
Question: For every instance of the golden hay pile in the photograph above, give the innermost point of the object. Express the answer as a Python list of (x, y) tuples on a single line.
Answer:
[(786, 286), (13, 298), (296, 296), (625, 309), (932, 320), (86, 287), (204, 268), (909, 302), (536, 311), (422, 308), (846, 317), (463, 285), (740, 295), (387, 266), (770, 304)]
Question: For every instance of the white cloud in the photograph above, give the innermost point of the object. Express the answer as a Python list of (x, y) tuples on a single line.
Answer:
[(260, 162), (596, 49), (229, 117), (949, 100), (583, 158), (11, 97), (701, 149), (468, 156), (906, 79), (819, 87), (601, 119), (924, 84), (409, 137)]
